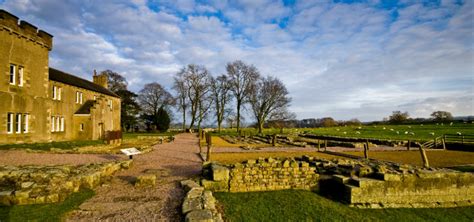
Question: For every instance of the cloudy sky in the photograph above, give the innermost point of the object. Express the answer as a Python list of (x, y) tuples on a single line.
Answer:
[(345, 59)]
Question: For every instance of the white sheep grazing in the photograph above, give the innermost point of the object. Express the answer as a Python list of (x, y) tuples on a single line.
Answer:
[(432, 133), (391, 129), (459, 133), (421, 124), (398, 132), (412, 133), (357, 132), (359, 127), (451, 123), (337, 129), (409, 127), (384, 128), (345, 132), (406, 132)]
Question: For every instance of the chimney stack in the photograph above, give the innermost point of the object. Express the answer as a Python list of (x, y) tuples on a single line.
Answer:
[(101, 79)]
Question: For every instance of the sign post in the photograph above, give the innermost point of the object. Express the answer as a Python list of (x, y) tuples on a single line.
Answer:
[(130, 152)]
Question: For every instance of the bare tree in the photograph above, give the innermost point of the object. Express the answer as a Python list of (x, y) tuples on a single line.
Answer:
[(181, 95), (242, 78), (268, 98), (153, 97), (221, 95), (196, 80), (115, 81)]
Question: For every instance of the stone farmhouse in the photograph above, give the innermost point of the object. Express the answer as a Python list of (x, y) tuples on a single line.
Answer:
[(43, 104)]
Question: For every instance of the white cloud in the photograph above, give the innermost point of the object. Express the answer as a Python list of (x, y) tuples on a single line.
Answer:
[(342, 60)]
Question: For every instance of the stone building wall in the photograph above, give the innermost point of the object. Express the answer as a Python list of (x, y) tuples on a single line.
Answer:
[(100, 113), (23, 45)]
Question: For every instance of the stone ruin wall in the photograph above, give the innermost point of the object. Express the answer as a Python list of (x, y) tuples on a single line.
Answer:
[(51, 184), (263, 175), (359, 183)]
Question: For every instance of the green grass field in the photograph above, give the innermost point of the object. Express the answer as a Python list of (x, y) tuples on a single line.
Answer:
[(47, 146), (298, 205), (45, 212), (405, 132)]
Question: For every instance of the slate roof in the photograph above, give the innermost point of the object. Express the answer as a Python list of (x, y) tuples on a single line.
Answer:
[(66, 78), (86, 107)]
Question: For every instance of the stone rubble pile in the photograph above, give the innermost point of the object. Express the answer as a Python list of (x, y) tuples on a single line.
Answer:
[(50, 184)]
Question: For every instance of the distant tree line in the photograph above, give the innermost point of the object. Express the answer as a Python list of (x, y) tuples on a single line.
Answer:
[(201, 97)]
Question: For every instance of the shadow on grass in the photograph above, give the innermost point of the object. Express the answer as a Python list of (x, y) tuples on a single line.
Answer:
[(45, 212)]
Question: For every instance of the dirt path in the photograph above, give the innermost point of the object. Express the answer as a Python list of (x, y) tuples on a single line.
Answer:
[(119, 200)]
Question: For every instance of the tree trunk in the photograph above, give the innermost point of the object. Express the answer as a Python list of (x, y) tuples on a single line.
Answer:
[(184, 120), (260, 127), (238, 114)]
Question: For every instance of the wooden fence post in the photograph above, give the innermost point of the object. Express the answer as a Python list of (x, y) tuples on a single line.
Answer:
[(462, 140), (319, 145), (408, 145), (366, 150), (367, 143), (274, 141), (426, 164), (325, 144), (444, 142)]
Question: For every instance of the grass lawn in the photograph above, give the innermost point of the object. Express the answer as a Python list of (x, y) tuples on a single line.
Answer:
[(135, 135), (436, 158), (227, 158), (421, 132), (58, 145), (45, 212), (298, 205), (390, 131), (92, 146)]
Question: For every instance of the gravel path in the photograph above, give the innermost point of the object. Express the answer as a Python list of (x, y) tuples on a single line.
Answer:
[(19, 158), (119, 200)]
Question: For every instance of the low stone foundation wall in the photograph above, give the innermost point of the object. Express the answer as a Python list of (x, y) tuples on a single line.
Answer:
[(50, 184), (359, 183), (420, 189), (199, 205)]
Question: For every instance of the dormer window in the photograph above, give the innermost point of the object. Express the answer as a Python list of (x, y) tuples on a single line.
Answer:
[(12, 74)]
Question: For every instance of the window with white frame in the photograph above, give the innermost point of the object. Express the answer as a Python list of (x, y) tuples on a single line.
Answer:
[(53, 128), (20, 76), (10, 117), (18, 123), (26, 118), (79, 97), (54, 92), (58, 124), (12, 74), (62, 124), (59, 93)]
